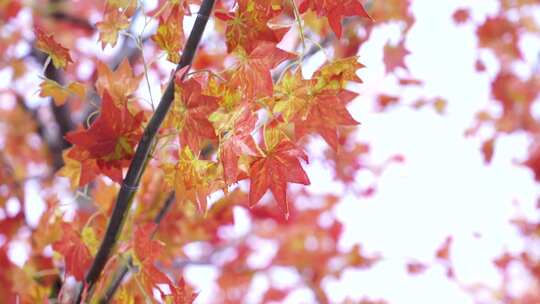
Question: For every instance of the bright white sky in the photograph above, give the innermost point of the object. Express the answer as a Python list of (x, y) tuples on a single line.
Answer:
[(442, 189)]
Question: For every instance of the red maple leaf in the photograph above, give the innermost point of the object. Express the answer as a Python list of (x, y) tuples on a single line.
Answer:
[(76, 254), (335, 10), (461, 15), (394, 56), (145, 248), (183, 293), (253, 73), (109, 142), (248, 25), (326, 114), (190, 113), (274, 170), (239, 141)]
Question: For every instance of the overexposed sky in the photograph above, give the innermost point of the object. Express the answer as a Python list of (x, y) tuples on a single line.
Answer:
[(443, 188)]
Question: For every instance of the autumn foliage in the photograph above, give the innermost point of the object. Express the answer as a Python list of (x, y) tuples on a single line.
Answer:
[(148, 144)]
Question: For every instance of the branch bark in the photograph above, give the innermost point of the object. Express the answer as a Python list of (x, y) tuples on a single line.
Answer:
[(133, 176)]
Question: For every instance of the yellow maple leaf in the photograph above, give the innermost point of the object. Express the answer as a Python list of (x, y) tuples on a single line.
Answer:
[(51, 88), (170, 34), (70, 170), (336, 74), (193, 179), (113, 23), (77, 88)]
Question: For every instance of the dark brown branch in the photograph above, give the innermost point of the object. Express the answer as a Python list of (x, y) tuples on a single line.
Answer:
[(76, 21), (133, 176)]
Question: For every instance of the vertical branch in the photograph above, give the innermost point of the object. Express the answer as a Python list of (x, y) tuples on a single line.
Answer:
[(133, 176)]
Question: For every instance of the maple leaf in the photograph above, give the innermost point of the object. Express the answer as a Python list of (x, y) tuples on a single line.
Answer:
[(71, 170), (146, 252), (170, 34), (183, 293), (145, 248), (388, 10), (279, 166), (193, 179), (384, 101), (490, 33), (394, 56), (51, 88), (461, 15), (415, 267), (318, 104), (77, 256), (443, 255), (114, 22), (292, 96), (120, 84), (327, 112), (488, 150), (190, 112), (335, 10), (110, 140), (253, 71), (46, 43), (248, 25), (122, 4), (238, 141), (79, 160), (335, 75)]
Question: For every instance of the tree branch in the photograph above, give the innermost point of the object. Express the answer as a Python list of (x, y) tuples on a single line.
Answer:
[(133, 176)]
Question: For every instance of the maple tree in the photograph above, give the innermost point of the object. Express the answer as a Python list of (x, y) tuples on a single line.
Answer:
[(132, 183)]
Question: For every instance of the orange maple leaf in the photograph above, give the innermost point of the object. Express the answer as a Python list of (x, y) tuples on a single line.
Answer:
[(120, 83), (253, 71), (59, 54), (59, 94), (335, 10), (170, 34), (113, 22), (327, 112)]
